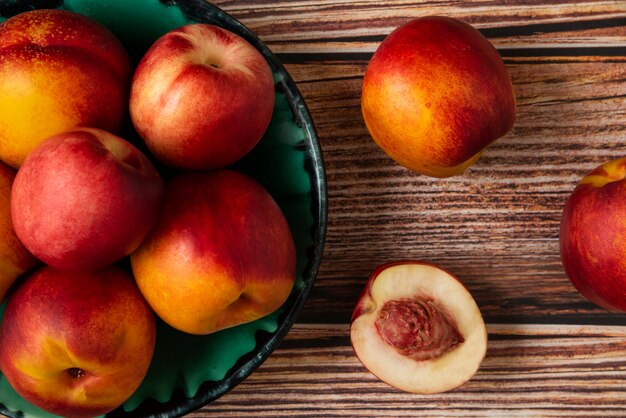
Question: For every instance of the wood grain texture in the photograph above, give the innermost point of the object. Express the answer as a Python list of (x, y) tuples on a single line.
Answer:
[(539, 370), (351, 26), (551, 353), (496, 226)]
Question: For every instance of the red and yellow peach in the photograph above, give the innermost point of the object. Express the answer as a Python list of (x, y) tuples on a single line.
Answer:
[(435, 94), (221, 253), (201, 97), (15, 259), (76, 344), (84, 199), (58, 70), (593, 236)]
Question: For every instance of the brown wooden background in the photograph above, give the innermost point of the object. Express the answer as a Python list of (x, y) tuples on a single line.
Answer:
[(551, 353)]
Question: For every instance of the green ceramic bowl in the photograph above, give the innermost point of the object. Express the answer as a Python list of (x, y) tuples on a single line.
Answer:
[(187, 371)]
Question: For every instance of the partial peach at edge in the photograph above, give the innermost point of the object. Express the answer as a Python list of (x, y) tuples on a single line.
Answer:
[(58, 70), (593, 236), (15, 259)]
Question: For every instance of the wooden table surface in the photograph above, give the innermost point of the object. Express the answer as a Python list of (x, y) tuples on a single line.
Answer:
[(550, 353)]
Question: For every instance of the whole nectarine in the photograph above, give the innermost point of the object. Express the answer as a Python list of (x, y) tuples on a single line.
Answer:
[(435, 94), (84, 199), (76, 344), (220, 254), (58, 70), (201, 97), (593, 235)]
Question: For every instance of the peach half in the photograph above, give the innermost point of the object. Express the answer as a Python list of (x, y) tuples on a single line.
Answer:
[(417, 328)]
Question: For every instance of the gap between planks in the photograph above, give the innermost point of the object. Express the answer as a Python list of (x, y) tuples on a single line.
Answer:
[(326, 330)]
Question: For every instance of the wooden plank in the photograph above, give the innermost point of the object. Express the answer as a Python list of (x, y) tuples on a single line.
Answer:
[(551, 353), (496, 226), (529, 370), (349, 26)]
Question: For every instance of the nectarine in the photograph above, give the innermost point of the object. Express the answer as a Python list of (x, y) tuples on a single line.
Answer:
[(201, 97), (84, 199), (76, 344), (435, 94), (58, 70), (221, 253), (593, 236), (417, 328), (15, 259)]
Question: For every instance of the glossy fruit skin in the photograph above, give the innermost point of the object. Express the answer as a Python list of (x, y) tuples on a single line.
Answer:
[(76, 344), (58, 70), (98, 206), (435, 94), (593, 236), (15, 259), (221, 253), (201, 97)]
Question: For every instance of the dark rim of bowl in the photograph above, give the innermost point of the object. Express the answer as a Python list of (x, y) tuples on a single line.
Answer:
[(179, 404)]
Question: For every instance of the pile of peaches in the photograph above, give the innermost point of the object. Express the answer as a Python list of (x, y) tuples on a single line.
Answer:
[(208, 247)]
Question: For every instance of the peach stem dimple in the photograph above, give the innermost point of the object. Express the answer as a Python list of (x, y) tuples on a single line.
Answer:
[(75, 373)]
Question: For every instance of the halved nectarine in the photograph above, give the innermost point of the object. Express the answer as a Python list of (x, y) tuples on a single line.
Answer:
[(417, 328)]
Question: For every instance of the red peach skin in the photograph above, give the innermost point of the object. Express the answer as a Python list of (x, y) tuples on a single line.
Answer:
[(221, 253), (201, 97)]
